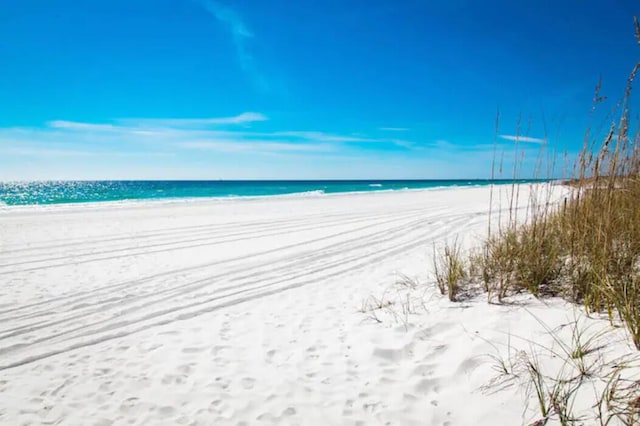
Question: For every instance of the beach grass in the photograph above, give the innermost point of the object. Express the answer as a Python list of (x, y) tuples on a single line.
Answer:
[(586, 249), (449, 270), (571, 381)]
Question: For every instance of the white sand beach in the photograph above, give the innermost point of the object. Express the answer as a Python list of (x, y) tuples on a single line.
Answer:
[(250, 311)]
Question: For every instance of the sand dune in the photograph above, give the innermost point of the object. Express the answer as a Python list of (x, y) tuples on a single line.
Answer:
[(245, 312)]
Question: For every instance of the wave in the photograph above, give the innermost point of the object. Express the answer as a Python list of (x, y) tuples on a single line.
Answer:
[(300, 194), (376, 185)]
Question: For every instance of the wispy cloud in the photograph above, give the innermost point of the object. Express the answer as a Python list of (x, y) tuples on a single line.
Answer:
[(226, 147), (255, 146), (403, 143), (445, 145), (241, 119), (529, 139), (395, 129), (63, 152), (225, 134), (146, 125), (43, 152), (241, 35), (74, 125), (324, 137), (239, 133)]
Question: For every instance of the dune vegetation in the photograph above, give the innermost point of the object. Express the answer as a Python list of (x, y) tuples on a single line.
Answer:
[(586, 249)]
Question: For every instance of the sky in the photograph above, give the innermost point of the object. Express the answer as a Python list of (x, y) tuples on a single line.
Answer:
[(305, 89)]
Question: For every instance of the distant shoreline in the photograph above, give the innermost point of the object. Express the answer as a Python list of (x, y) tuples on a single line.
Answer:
[(76, 192)]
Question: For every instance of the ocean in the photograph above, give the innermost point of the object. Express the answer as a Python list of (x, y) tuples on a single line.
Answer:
[(63, 192)]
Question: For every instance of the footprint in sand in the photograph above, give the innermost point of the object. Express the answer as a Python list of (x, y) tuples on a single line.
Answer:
[(166, 410), (267, 417), (424, 370), (128, 405), (186, 369), (218, 350), (386, 381), (290, 411), (105, 387), (102, 372), (393, 355), (270, 354), (348, 408), (169, 379), (468, 366), (426, 386), (248, 382), (409, 397), (192, 350), (224, 330), (221, 383)]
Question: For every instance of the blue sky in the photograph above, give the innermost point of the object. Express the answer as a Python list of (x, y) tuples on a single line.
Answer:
[(256, 89)]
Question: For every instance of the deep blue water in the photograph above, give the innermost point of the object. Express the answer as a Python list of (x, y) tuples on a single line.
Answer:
[(60, 192)]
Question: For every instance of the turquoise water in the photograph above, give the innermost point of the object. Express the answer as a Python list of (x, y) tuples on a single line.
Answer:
[(61, 192)]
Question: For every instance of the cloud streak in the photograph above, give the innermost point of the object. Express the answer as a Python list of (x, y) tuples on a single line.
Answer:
[(146, 126), (529, 139), (198, 147), (179, 136), (245, 118), (255, 146), (63, 152), (241, 35), (74, 125), (241, 133), (324, 137)]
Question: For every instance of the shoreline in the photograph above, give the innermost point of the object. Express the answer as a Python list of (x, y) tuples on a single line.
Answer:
[(141, 202)]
